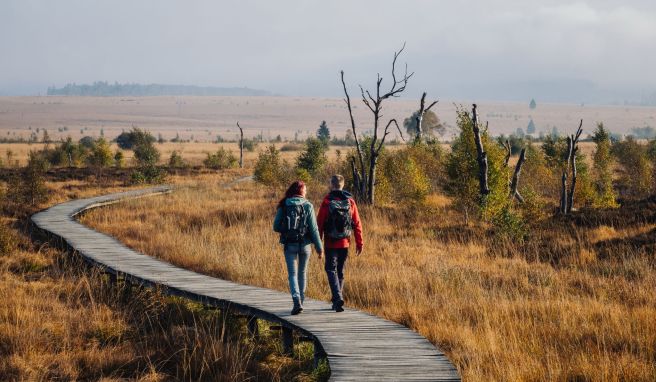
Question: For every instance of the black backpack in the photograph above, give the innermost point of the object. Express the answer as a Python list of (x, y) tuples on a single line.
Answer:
[(293, 224), (339, 224)]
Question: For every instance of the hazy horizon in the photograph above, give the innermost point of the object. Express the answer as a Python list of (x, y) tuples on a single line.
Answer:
[(510, 50)]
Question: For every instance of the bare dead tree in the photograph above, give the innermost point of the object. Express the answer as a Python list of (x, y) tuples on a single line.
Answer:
[(574, 143), (367, 177), (481, 156), (567, 195), (420, 116), (506, 145), (241, 146), (515, 179)]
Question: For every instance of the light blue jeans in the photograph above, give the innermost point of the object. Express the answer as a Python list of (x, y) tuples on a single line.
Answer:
[(296, 257)]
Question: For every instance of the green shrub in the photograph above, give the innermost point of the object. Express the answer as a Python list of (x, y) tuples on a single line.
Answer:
[(249, 144), (222, 159), (145, 153), (148, 174), (401, 179), (130, 139), (30, 188), (269, 167), (603, 173), (67, 153), (176, 161), (509, 223), (119, 158), (313, 158), (101, 154), (636, 178), (86, 142), (430, 157)]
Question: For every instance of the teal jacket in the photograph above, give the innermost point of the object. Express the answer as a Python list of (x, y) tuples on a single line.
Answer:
[(312, 236)]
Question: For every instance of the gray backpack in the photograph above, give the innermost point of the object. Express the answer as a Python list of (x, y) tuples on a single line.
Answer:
[(339, 224)]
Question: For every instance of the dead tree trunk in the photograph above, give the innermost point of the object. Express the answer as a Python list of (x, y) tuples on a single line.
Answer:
[(481, 157), (506, 145), (574, 139), (356, 177), (420, 117), (567, 195), (241, 146), (367, 178), (515, 179)]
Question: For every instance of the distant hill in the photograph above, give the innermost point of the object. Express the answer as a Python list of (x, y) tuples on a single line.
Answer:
[(104, 89)]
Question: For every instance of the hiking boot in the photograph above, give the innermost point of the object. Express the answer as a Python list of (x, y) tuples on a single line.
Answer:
[(298, 307), (338, 306)]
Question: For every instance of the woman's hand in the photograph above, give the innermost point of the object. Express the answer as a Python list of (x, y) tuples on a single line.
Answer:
[(320, 254)]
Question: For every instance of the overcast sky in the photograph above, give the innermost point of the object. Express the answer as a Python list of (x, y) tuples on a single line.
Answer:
[(594, 51)]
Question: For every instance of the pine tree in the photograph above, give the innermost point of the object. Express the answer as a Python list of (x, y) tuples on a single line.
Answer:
[(323, 134), (530, 129)]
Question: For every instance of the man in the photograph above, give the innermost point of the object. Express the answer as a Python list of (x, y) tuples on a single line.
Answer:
[(338, 219)]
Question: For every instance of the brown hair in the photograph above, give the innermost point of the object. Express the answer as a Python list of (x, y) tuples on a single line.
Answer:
[(295, 189), (337, 181)]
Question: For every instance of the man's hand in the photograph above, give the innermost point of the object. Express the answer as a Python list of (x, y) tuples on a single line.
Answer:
[(320, 254), (358, 251)]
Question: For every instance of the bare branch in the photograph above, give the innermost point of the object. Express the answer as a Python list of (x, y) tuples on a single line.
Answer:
[(431, 105), (355, 135), (394, 91), (386, 133), (364, 99)]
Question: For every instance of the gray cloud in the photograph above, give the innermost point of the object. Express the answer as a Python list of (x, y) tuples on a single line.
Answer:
[(506, 49)]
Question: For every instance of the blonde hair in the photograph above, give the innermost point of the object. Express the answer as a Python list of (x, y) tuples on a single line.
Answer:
[(337, 181)]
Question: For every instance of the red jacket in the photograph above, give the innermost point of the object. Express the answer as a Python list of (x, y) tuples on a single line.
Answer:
[(355, 217)]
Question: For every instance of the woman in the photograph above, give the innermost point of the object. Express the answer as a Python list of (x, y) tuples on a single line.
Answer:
[(297, 225)]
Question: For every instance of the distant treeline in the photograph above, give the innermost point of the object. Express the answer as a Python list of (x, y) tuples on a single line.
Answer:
[(104, 89)]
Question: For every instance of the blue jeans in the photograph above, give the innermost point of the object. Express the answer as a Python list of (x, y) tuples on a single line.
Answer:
[(296, 257), (335, 261)]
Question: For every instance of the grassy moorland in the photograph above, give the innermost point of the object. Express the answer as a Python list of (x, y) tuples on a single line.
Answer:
[(573, 302), (60, 320)]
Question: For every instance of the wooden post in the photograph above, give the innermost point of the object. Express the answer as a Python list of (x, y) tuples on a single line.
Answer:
[(241, 146), (287, 341), (481, 157)]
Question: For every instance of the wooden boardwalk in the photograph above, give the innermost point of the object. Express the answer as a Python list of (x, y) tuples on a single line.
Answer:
[(358, 346)]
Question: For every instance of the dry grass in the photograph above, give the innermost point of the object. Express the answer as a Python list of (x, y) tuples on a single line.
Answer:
[(556, 308), (60, 320)]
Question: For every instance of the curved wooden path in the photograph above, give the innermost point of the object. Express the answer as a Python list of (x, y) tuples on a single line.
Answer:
[(358, 346)]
